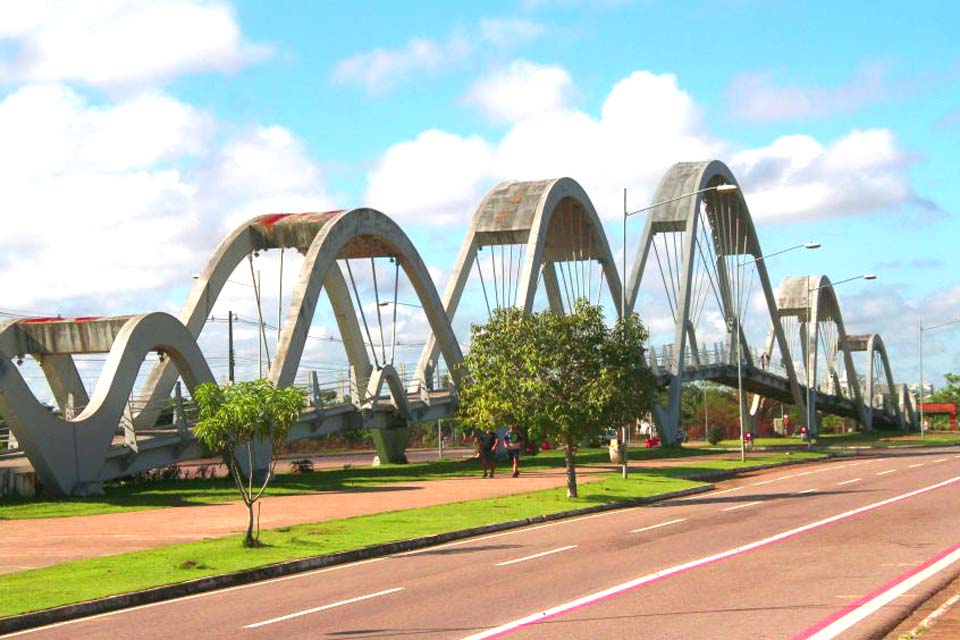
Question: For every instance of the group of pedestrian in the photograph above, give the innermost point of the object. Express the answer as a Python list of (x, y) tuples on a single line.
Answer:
[(487, 442)]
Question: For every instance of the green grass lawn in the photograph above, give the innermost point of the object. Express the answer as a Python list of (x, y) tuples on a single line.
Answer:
[(134, 496)]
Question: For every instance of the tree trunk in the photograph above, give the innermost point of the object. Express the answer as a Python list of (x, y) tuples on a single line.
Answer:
[(571, 467), (249, 541)]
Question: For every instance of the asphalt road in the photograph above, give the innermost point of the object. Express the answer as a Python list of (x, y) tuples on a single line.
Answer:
[(780, 554)]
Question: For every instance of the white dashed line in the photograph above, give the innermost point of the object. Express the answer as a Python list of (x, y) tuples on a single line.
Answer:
[(806, 491), (657, 526), (883, 473), (536, 555), (914, 466), (940, 460), (322, 608), (840, 484), (741, 506)]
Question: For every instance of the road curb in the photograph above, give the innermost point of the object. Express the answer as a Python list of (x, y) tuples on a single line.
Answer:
[(212, 583)]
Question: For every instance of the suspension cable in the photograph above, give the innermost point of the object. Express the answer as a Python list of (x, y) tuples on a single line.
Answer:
[(363, 315)]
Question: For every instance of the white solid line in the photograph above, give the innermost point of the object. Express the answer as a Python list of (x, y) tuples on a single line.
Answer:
[(840, 484), (536, 555), (871, 606), (741, 506), (914, 466), (692, 564), (883, 473), (194, 596), (709, 494), (657, 526), (323, 608), (512, 532)]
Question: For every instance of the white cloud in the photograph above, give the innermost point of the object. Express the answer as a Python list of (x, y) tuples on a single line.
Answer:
[(521, 90), (507, 32), (98, 216), (646, 124), (755, 96), (381, 69), (797, 177), (119, 43), (437, 176)]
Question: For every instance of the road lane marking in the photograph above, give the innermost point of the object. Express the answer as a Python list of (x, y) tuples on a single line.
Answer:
[(883, 473), (840, 484), (760, 484), (657, 526), (806, 491), (741, 506), (843, 620), (649, 578), (711, 494), (194, 596), (323, 608), (536, 555), (914, 466), (940, 460), (512, 532)]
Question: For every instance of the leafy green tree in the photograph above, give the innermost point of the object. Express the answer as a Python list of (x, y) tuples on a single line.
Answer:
[(562, 376), (950, 393), (234, 419)]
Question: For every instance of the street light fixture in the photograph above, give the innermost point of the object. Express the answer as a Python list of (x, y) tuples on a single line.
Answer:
[(719, 188), (920, 392), (740, 266), (810, 392)]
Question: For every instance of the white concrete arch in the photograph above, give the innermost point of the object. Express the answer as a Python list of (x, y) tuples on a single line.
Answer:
[(814, 301), (272, 231), (69, 454), (522, 212), (358, 233), (873, 345), (682, 214)]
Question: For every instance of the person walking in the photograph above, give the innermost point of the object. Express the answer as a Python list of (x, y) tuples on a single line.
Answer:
[(513, 441), (487, 446)]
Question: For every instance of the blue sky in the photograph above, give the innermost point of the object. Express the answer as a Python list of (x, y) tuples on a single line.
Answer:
[(138, 134)]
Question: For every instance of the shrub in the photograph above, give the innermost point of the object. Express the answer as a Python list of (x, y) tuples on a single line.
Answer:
[(715, 434)]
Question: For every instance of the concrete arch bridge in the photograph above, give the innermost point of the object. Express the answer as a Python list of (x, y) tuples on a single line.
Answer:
[(528, 244)]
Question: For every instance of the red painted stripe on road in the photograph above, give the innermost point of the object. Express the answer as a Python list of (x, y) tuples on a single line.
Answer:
[(876, 593), (650, 578)]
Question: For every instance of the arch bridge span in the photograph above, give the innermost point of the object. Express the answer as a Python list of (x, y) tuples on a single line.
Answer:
[(698, 256)]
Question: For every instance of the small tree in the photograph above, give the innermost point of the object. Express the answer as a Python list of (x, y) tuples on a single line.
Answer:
[(563, 376), (234, 419)]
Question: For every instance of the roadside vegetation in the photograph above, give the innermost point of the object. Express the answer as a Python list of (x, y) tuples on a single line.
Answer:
[(565, 377)]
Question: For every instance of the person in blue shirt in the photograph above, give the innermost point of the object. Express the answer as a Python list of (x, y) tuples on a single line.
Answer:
[(513, 441)]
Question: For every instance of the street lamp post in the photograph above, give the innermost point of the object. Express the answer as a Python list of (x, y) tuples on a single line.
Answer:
[(920, 392), (719, 188), (738, 336), (810, 374)]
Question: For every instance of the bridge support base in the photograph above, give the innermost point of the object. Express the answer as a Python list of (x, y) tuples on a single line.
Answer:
[(391, 443)]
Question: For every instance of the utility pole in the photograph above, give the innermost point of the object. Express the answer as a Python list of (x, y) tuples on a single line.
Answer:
[(231, 362)]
